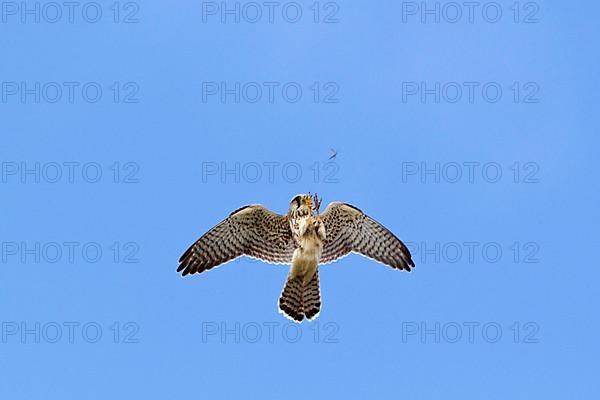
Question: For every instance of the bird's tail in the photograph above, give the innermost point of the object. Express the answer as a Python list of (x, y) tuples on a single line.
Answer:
[(298, 301)]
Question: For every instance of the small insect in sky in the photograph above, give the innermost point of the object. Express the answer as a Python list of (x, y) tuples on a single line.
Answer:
[(333, 154)]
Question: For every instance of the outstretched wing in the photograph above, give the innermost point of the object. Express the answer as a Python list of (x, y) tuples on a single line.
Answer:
[(252, 230), (350, 230)]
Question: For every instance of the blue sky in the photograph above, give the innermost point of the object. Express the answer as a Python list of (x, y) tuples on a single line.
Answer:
[(119, 149)]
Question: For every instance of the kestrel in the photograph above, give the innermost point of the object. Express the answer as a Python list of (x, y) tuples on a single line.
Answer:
[(303, 238)]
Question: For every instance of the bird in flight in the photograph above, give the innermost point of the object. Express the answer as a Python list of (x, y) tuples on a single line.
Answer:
[(303, 238)]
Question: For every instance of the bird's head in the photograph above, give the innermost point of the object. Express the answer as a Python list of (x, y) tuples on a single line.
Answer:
[(301, 206)]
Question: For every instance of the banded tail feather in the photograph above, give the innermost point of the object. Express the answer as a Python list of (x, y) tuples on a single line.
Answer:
[(298, 301)]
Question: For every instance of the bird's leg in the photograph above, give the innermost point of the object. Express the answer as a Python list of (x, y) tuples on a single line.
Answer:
[(319, 225)]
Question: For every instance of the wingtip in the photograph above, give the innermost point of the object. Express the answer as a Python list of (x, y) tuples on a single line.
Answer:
[(185, 254)]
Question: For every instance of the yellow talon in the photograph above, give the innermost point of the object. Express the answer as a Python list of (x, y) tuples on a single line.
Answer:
[(309, 204)]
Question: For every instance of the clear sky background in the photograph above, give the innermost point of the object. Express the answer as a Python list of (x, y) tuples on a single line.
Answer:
[(517, 324)]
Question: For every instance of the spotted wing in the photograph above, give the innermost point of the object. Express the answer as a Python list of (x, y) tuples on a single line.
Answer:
[(348, 230), (252, 230)]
